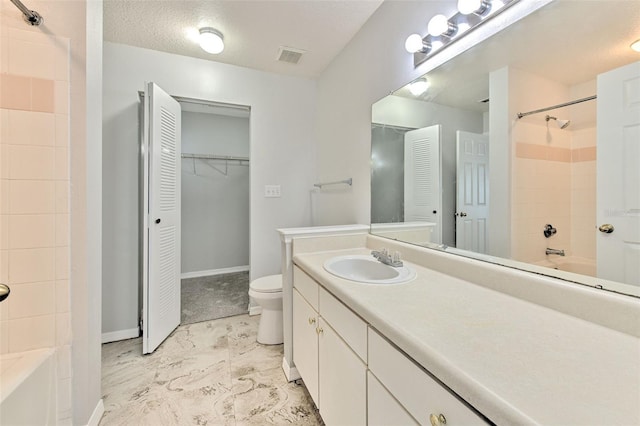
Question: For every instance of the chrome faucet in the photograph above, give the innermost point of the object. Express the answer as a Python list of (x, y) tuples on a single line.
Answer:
[(386, 258), (554, 251)]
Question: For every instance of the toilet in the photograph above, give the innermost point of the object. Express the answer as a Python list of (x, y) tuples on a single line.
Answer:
[(267, 292)]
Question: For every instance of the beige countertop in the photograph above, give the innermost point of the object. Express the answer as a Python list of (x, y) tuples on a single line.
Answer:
[(515, 361)]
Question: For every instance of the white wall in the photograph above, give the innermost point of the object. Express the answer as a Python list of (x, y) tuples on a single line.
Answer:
[(282, 129), (215, 206), (399, 111), (372, 65)]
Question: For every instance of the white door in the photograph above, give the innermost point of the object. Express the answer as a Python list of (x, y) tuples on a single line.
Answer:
[(618, 171), (161, 187), (472, 191), (422, 189)]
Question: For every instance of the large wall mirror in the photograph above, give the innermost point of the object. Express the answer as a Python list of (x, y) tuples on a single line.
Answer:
[(471, 167)]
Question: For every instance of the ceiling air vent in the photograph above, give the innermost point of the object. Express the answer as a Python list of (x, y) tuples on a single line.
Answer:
[(290, 54)]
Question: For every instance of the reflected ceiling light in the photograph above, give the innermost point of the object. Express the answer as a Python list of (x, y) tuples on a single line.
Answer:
[(419, 86), (211, 40), (636, 45), (440, 25), (479, 7), (415, 44)]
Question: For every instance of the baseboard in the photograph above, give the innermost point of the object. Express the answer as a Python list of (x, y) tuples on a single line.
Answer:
[(290, 372), (114, 336), (255, 310), (210, 272), (94, 420)]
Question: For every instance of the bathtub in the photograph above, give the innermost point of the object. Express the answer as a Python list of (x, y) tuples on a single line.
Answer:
[(28, 388), (577, 265)]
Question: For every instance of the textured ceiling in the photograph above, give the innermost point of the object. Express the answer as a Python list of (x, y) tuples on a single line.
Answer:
[(253, 30), (567, 41)]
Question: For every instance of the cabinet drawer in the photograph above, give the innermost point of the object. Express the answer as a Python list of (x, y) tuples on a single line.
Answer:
[(348, 325), (307, 287), (417, 391)]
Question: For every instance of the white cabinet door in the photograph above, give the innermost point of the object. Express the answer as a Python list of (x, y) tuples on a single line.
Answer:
[(382, 408), (305, 343), (343, 381)]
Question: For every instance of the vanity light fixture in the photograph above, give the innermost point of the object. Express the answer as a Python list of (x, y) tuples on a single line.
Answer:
[(636, 45), (415, 44), (439, 25), (442, 30), (419, 86), (479, 7), (211, 40)]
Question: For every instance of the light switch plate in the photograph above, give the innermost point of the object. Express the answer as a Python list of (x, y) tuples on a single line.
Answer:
[(272, 191)]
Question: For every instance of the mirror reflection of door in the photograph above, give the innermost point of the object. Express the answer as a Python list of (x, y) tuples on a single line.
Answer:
[(472, 191), (422, 193), (618, 183)]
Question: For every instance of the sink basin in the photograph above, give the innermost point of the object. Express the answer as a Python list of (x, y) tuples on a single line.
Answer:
[(366, 269)]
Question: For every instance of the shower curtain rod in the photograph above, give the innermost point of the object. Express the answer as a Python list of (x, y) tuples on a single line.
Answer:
[(30, 16), (577, 101)]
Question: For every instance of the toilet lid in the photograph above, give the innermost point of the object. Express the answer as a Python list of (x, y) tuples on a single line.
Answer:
[(268, 284)]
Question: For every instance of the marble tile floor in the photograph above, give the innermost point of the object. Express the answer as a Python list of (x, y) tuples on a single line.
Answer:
[(208, 373)]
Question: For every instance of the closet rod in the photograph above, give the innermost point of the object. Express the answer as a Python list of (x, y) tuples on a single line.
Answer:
[(215, 157)]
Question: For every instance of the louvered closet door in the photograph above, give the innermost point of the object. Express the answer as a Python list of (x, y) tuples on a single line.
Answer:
[(422, 194), (161, 294)]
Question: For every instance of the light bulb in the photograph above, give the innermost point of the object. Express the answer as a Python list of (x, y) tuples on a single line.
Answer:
[(419, 86), (413, 43), (211, 40), (636, 45), (469, 6), (437, 25)]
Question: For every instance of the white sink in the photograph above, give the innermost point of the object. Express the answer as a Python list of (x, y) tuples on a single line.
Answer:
[(366, 269)]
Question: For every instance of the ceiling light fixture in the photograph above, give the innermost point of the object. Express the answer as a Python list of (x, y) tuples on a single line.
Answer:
[(419, 86), (636, 45), (443, 31), (211, 40)]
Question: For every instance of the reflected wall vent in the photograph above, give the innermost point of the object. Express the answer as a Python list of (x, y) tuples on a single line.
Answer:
[(290, 55)]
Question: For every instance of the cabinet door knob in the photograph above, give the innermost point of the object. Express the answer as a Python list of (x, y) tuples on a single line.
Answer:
[(437, 419), (312, 320), (319, 330)]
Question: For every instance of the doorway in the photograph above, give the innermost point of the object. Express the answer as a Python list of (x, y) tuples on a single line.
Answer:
[(215, 210)]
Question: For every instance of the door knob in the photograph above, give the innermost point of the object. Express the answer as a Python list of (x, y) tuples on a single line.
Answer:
[(607, 228), (157, 220), (4, 291), (461, 214)]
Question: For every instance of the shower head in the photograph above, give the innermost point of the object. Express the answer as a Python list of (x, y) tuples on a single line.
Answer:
[(563, 124)]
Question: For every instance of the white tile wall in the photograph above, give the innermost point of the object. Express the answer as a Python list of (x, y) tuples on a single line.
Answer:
[(34, 205)]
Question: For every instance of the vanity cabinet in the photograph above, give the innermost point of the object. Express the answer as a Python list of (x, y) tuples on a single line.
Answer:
[(325, 333), (421, 395)]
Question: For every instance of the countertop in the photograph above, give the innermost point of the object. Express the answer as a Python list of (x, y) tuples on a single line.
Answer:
[(514, 361)]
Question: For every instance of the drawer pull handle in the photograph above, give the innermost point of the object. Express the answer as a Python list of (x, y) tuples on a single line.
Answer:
[(437, 419), (312, 320), (319, 330)]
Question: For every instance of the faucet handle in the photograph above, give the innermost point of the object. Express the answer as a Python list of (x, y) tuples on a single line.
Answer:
[(396, 257)]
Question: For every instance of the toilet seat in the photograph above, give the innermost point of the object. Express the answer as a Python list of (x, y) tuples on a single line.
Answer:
[(268, 284)]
